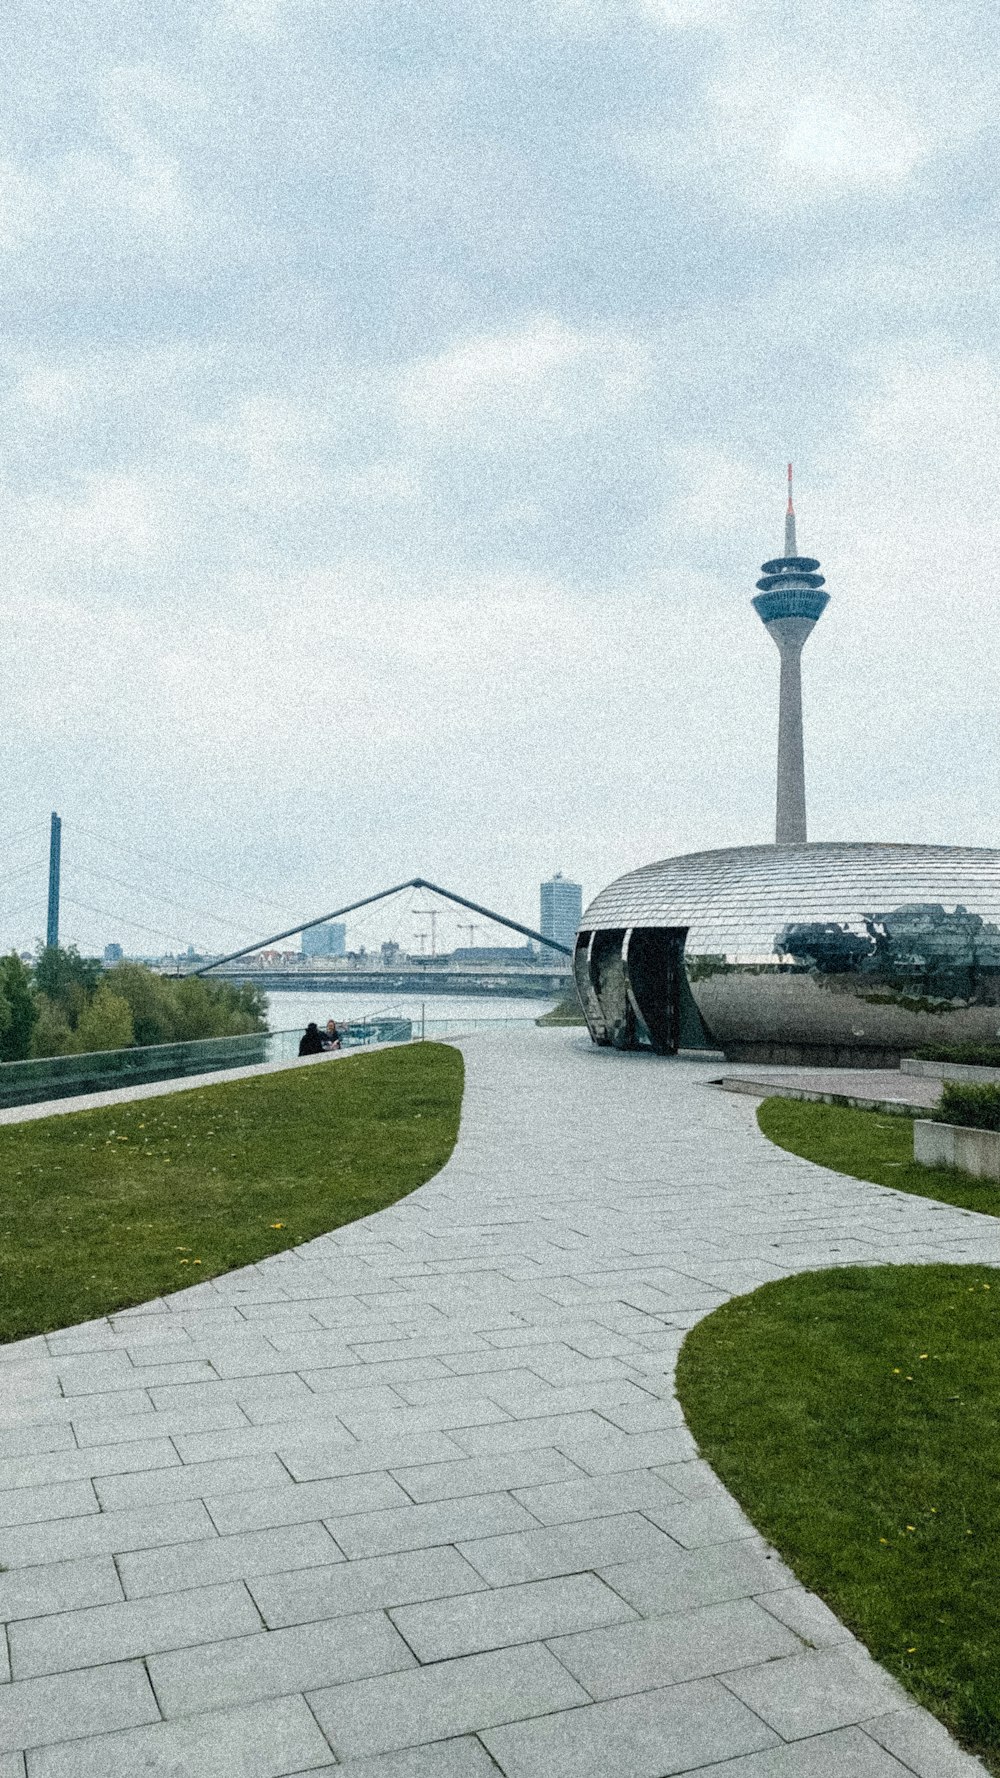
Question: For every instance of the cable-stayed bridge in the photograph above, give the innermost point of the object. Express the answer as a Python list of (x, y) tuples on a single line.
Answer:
[(440, 974), (539, 966)]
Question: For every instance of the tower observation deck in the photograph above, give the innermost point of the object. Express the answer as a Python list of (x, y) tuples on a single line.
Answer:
[(790, 601)]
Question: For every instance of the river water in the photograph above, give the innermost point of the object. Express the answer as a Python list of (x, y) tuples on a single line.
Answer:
[(290, 1009)]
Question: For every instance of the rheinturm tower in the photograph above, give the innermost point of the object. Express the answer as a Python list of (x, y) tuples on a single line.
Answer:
[(789, 603)]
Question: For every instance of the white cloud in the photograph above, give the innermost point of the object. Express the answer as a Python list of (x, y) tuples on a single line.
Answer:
[(544, 373), (608, 16)]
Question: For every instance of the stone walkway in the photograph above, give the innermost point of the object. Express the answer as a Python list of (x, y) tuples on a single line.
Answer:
[(416, 1501)]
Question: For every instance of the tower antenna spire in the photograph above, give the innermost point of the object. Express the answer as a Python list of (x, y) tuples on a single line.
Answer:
[(791, 548)]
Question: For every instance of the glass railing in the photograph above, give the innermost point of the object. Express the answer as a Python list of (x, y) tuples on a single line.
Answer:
[(457, 1027), (63, 1077)]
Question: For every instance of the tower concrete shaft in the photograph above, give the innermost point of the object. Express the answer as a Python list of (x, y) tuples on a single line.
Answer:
[(790, 820), (790, 603)]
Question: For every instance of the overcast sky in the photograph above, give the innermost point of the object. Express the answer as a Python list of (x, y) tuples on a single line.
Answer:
[(396, 396)]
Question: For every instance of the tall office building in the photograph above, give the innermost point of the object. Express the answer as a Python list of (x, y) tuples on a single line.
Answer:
[(561, 907), (327, 940), (790, 603)]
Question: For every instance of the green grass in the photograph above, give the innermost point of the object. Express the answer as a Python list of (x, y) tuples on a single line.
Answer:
[(854, 1414), (869, 1145), (567, 1012), (103, 1209)]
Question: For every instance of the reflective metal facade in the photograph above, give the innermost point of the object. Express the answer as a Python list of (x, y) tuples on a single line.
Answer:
[(829, 952)]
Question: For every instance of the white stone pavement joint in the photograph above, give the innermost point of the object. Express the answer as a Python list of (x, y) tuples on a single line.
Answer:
[(416, 1500)]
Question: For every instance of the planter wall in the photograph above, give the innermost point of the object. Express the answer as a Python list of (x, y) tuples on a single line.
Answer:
[(950, 1071), (953, 1145)]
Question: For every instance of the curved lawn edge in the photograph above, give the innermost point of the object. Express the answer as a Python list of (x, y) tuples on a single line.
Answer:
[(107, 1209), (852, 1413), (870, 1145)]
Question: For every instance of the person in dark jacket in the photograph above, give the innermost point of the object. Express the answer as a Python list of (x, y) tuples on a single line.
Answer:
[(311, 1043)]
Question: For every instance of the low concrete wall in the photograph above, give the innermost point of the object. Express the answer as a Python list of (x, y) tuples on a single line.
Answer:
[(950, 1071), (773, 1089), (951, 1145)]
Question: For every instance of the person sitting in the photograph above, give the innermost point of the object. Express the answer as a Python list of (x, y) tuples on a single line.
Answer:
[(331, 1036), (311, 1043)]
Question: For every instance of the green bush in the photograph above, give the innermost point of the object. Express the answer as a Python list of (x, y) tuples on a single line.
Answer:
[(106, 1024), (975, 1055), (52, 1035), (977, 1107), (68, 1004), (18, 1010)]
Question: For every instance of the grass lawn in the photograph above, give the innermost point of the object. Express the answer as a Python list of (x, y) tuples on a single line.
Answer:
[(567, 1012), (869, 1145), (854, 1414), (102, 1209)]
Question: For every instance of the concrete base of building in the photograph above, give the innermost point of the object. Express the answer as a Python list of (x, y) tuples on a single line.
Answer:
[(812, 1055), (952, 1145)]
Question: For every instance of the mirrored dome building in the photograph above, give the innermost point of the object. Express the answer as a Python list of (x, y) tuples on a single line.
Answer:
[(850, 954)]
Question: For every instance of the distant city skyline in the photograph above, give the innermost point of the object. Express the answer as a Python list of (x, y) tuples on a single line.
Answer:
[(392, 396)]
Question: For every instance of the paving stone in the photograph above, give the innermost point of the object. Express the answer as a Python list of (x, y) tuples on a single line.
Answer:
[(595, 1497), (283, 1661), (418, 1527), (450, 1698), (188, 1481), (400, 1370), (102, 1633), (307, 1428), (649, 1415), (168, 1570), (30, 1441), (663, 1651), (391, 1448), (36, 1711), (100, 1533), (561, 1430), (694, 1479), (845, 1753), (508, 1615), (381, 1581), (463, 1757), (565, 1549), (687, 1578), (807, 1616), (405, 1422), (922, 1744), (257, 1741), (86, 1376), (817, 1691), (58, 1586), (306, 1500), (628, 1450), (114, 1430), (681, 1729), (486, 1475), (60, 1500), (699, 1522), (70, 1466)]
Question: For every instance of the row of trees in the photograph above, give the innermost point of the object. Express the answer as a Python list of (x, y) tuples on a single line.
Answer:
[(64, 1004)]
